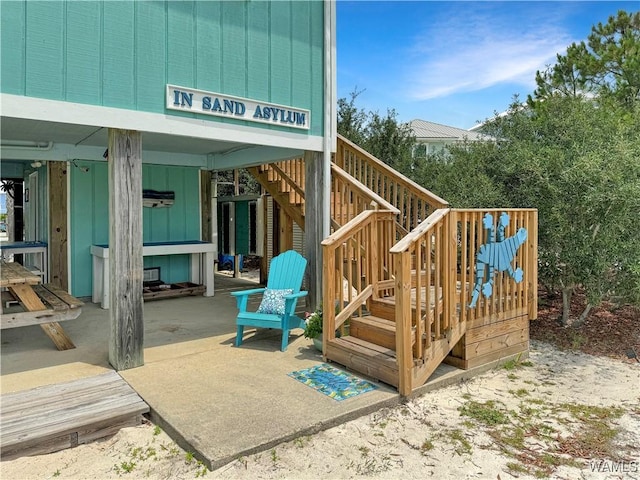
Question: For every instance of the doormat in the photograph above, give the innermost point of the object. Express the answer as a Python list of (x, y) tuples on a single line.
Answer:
[(332, 382)]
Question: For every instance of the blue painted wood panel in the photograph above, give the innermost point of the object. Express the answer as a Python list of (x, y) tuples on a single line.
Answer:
[(89, 218), (151, 45), (45, 50), (209, 52), (234, 57), (181, 43), (258, 79), (13, 47), (118, 55), (122, 54), (84, 69), (280, 52)]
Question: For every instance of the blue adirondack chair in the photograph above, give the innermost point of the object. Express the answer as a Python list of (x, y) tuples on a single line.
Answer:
[(279, 298)]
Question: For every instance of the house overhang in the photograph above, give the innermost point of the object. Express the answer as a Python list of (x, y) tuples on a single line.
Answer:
[(37, 129)]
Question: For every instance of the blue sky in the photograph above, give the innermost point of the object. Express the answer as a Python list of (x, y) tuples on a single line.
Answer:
[(454, 63)]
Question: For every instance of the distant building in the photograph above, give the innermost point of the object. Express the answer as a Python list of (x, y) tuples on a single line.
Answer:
[(433, 137)]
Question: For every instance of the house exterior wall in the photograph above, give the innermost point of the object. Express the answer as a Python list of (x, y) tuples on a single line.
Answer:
[(89, 218), (123, 54), (105, 65)]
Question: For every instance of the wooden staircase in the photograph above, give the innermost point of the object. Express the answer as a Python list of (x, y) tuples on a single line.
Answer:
[(394, 245), (284, 181)]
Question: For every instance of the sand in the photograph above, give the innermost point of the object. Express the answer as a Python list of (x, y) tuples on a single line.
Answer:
[(559, 415)]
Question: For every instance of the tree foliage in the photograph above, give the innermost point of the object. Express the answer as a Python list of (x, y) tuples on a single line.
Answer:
[(572, 151), (382, 136), (606, 65), (576, 161), (247, 184)]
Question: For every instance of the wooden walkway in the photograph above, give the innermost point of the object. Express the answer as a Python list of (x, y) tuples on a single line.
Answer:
[(54, 417)]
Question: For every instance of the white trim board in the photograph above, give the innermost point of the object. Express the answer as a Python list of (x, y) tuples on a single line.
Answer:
[(31, 108)]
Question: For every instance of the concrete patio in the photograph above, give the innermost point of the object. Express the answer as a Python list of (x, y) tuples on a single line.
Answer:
[(215, 400)]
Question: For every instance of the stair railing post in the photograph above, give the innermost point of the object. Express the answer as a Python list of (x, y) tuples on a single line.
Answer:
[(404, 356), (373, 256), (451, 245), (328, 296)]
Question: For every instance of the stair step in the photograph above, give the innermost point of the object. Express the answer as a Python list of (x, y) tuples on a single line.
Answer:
[(384, 308), (364, 357), (375, 330)]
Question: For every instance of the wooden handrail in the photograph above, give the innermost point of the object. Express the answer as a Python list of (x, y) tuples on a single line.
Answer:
[(354, 224), (436, 270), (361, 189), (419, 231), (376, 170), (355, 304), (286, 177), (354, 260)]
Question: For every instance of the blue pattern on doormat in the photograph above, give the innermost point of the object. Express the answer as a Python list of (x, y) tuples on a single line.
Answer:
[(332, 382)]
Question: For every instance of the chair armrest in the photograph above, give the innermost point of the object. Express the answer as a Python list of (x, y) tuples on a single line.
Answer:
[(243, 297), (296, 295), (248, 292), (291, 300)]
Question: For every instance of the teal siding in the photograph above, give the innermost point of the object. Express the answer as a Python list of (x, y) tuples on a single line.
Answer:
[(280, 52), (151, 38), (89, 219), (45, 49), (83, 65), (118, 55), (208, 37), (316, 59), (12, 47), (258, 50), (234, 42), (123, 54), (181, 43)]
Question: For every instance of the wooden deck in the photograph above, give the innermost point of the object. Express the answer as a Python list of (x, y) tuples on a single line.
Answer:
[(54, 417)]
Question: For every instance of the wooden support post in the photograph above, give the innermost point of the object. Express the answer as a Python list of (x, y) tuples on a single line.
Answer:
[(125, 245), (286, 231), (206, 220), (57, 253), (314, 181), (264, 265), (205, 206)]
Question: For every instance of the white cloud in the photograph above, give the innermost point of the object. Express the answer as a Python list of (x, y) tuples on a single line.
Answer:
[(481, 50)]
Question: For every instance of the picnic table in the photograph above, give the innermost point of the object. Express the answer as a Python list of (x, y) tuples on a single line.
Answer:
[(43, 305)]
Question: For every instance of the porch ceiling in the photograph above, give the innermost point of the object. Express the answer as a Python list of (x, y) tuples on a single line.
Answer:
[(16, 130)]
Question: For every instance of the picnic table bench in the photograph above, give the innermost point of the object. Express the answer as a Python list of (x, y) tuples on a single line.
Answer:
[(43, 305)]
